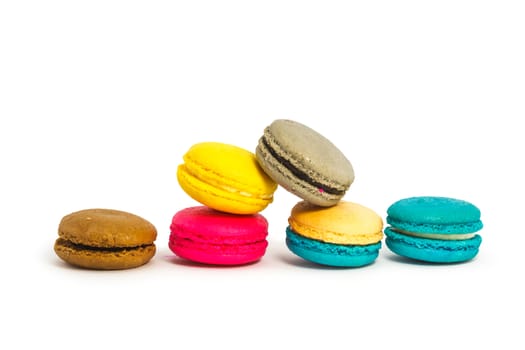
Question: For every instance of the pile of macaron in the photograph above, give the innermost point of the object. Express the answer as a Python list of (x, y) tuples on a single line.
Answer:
[(322, 227), (226, 229), (233, 186)]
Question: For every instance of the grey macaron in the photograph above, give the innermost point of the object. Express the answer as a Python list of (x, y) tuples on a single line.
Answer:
[(304, 162)]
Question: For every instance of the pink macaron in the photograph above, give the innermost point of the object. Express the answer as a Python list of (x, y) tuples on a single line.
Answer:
[(204, 235)]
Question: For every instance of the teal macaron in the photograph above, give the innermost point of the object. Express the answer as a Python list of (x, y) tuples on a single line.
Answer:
[(434, 229)]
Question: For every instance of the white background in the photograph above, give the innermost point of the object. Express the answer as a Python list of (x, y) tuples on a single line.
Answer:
[(99, 100)]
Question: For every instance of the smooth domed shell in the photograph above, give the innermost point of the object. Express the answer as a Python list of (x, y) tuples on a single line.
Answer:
[(343, 223), (434, 210), (106, 228)]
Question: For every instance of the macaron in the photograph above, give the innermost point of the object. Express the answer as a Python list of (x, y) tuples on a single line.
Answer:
[(304, 162), (434, 229), (346, 234), (208, 236), (226, 178), (105, 239)]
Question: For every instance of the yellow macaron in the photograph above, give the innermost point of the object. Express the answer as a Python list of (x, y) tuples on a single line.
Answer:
[(226, 178)]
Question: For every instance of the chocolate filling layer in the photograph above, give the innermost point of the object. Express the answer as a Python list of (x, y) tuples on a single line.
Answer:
[(72, 245), (300, 174)]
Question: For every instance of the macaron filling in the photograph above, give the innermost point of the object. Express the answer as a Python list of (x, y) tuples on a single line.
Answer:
[(400, 240), (213, 182), (449, 237), (426, 227), (299, 173), (244, 193), (77, 246)]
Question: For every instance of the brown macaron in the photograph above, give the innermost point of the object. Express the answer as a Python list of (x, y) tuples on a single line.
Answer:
[(105, 239)]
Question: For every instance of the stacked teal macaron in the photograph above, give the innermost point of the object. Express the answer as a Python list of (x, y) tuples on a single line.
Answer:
[(434, 229)]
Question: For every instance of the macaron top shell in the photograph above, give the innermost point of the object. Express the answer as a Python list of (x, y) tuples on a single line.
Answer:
[(344, 223), (428, 214), (207, 225), (106, 228), (307, 155)]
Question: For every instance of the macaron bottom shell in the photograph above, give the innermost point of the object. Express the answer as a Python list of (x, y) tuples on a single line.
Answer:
[(97, 258), (432, 250), (329, 254), (215, 254)]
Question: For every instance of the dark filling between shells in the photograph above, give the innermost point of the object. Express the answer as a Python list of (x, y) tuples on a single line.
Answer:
[(72, 245), (300, 174)]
